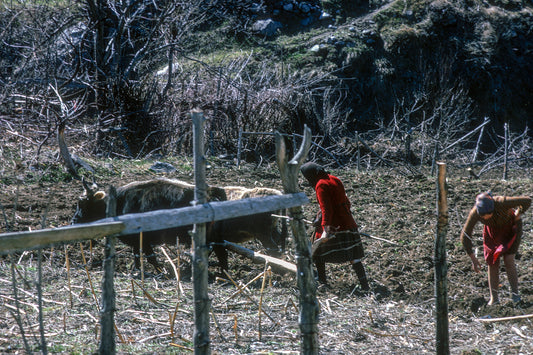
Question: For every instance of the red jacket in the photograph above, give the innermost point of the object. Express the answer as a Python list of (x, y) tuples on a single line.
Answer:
[(334, 205)]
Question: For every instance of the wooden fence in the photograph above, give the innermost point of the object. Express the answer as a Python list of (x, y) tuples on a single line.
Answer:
[(149, 221), (196, 215)]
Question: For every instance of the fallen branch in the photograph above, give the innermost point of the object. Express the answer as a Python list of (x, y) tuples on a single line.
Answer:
[(378, 238), (502, 319), (240, 291), (147, 294), (181, 347)]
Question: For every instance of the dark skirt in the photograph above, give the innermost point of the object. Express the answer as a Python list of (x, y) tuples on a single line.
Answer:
[(342, 247)]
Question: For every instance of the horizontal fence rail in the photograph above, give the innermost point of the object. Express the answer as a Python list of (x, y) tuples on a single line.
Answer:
[(18, 241), (149, 221)]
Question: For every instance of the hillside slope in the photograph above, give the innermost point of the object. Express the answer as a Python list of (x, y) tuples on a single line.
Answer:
[(475, 56)]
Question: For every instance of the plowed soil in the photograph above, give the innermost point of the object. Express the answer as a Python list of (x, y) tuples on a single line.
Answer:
[(396, 316)]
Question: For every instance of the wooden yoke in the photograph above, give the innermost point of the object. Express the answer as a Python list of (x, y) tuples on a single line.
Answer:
[(309, 307)]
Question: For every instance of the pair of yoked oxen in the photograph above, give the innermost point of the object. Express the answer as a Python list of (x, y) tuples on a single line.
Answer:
[(157, 194)]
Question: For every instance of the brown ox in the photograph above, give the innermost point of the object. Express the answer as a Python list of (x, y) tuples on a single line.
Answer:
[(261, 226), (144, 196)]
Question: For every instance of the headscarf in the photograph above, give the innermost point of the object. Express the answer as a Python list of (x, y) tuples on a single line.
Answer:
[(313, 172), (484, 203)]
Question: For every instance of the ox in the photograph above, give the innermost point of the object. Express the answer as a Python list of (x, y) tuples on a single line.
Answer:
[(261, 226), (144, 196)]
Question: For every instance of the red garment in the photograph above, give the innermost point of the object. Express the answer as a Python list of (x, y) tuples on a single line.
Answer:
[(502, 232), (334, 205), (497, 240)]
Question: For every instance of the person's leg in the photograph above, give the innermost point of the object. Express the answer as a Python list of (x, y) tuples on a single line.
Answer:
[(321, 271), (512, 275), (494, 281), (359, 269)]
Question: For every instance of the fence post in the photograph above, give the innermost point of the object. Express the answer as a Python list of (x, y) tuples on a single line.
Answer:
[(358, 145), (309, 309), (505, 150), (441, 269), (478, 143), (408, 142), (239, 148), (435, 157), (200, 252), (107, 313)]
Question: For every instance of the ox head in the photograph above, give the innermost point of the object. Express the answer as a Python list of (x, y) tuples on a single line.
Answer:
[(91, 205)]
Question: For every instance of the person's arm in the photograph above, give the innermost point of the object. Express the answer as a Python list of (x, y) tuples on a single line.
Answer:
[(466, 238), (521, 203), (326, 207), (475, 263)]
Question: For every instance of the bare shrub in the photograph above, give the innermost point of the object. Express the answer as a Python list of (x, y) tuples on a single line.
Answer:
[(244, 95)]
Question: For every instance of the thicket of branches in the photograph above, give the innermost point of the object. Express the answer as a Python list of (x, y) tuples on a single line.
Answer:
[(99, 64)]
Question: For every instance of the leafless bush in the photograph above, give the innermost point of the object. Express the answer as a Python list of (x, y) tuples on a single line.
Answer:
[(242, 95)]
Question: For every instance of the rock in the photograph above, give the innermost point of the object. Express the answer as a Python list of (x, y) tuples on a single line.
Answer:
[(266, 28), (160, 167), (325, 16), (305, 8), (319, 48)]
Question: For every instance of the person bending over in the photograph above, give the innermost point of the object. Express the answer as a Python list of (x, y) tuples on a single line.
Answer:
[(502, 232)]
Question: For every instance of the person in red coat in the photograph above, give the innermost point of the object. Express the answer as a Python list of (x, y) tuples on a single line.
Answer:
[(502, 232), (336, 238)]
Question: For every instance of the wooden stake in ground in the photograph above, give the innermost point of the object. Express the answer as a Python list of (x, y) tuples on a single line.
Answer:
[(200, 252), (309, 306), (441, 293), (107, 315), (141, 256), (506, 150), (67, 262), (261, 298), (44, 348)]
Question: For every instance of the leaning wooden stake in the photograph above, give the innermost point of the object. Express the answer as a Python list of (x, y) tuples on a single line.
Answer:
[(441, 293), (200, 251), (309, 307), (478, 143)]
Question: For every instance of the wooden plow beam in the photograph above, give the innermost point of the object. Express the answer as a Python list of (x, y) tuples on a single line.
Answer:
[(259, 258)]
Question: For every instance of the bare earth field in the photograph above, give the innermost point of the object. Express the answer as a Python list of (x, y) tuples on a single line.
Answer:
[(397, 316)]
